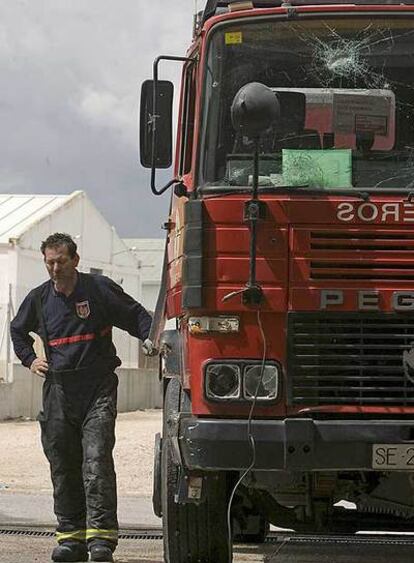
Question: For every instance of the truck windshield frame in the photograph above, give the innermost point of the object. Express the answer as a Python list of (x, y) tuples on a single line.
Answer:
[(353, 72)]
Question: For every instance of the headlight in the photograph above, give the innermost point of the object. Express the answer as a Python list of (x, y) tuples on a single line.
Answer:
[(264, 386), (242, 380), (223, 381)]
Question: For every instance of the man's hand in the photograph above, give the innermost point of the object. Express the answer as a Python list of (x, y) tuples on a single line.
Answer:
[(39, 367), (148, 348)]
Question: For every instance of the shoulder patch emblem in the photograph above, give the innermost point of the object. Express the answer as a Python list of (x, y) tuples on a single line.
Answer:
[(83, 310)]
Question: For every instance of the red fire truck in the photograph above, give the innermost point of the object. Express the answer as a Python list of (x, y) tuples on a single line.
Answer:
[(289, 273)]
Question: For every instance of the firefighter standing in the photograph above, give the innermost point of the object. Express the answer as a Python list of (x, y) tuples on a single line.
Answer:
[(74, 313)]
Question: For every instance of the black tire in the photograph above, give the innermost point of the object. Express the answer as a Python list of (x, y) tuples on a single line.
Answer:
[(156, 487), (192, 533)]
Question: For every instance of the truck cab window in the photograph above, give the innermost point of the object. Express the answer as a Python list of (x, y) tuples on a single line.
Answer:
[(187, 120), (356, 125)]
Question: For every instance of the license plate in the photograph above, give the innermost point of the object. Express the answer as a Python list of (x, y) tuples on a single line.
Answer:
[(393, 456)]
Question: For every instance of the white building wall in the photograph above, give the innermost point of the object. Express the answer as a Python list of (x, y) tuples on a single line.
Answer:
[(150, 254), (4, 316), (150, 294), (30, 272), (4, 273), (8, 266), (96, 240), (21, 265)]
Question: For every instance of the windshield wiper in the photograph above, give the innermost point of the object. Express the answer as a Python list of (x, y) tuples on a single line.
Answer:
[(234, 189), (305, 189), (362, 194)]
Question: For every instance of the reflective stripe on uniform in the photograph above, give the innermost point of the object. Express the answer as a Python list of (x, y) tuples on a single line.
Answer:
[(110, 535), (79, 535), (79, 337)]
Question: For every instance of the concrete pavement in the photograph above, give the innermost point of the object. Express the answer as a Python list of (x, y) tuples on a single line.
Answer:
[(37, 510), (27, 510)]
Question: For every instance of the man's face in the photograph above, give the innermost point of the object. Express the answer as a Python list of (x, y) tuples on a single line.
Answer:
[(59, 264)]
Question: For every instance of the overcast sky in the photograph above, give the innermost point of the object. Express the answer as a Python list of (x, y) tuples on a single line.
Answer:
[(70, 77)]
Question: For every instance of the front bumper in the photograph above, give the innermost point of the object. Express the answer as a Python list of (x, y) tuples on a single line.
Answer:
[(292, 444)]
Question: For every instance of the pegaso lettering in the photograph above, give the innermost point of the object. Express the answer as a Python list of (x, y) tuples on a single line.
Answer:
[(367, 300), (371, 212)]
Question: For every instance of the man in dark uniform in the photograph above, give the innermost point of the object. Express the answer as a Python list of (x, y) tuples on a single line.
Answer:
[(74, 314)]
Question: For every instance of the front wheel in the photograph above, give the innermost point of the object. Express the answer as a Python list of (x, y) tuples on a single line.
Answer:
[(192, 533)]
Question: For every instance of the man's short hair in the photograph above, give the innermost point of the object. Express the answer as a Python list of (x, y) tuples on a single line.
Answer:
[(60, 239)]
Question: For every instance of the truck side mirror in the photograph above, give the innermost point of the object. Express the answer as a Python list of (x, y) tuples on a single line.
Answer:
[(156, 124)]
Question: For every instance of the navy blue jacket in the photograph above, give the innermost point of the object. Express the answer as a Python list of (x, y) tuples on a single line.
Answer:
[(79, 326)]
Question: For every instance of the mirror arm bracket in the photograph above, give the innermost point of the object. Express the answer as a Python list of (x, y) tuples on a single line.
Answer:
[(159, 191), (154, 189), (179, 189)]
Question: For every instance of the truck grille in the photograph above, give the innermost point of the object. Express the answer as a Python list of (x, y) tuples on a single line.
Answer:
[(358, 239), (360, 254), (349, 358)]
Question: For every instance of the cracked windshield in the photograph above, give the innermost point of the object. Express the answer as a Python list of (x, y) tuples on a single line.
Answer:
[(346, 95)]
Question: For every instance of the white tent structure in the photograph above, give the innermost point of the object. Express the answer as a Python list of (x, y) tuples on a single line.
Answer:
[(26, 220)]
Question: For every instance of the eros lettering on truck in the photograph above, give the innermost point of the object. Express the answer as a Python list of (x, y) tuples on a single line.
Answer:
[(371, 212), (288, 274)]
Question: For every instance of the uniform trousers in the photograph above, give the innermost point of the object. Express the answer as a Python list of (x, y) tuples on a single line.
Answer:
[(78, 437)]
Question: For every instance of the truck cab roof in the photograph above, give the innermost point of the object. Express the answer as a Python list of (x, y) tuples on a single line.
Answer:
[(214, 7)]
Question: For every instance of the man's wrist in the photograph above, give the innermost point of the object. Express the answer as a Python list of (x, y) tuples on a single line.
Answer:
[(148, 348), (27, 362)]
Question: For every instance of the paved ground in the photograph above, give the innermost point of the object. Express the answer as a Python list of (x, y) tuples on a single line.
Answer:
[(26, 493), (37, 550), (25, 469), (341, 554), (23, 509), (26, 499)]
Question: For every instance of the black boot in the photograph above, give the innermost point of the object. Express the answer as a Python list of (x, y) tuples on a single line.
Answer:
[(101, 552), (70, 551)]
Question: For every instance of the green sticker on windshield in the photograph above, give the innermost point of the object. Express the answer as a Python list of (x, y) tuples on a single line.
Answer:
[(317, 168)]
